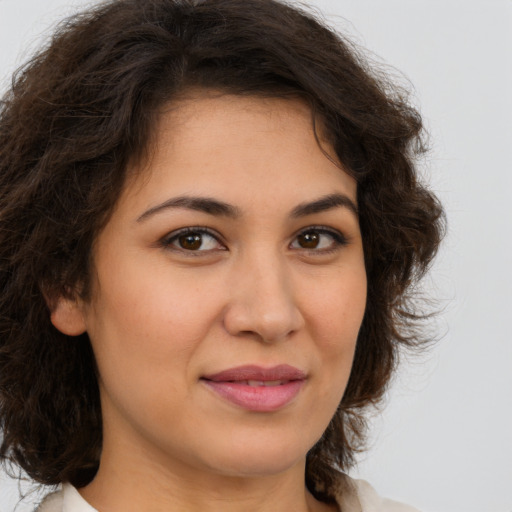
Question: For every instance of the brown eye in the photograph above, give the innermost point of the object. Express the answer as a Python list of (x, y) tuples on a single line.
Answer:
[(190, 241), (319, 240), (309, 239)]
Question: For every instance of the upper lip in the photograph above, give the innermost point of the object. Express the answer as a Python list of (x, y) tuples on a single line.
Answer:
[(283, 372)]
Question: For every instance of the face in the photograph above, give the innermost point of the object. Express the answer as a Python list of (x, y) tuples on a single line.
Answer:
[(228, 292)]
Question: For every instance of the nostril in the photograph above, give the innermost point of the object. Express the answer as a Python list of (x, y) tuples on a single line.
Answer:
[(262, 307)]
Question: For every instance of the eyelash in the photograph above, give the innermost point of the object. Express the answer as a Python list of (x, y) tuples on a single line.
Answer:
[(168, 240), (338, 239)]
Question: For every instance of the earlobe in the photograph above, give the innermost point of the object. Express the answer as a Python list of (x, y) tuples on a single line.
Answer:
[(67, 316)]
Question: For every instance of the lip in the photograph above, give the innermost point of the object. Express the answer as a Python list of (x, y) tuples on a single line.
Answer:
[(255, 388)]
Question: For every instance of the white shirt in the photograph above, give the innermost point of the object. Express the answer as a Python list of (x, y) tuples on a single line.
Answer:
[(362, 498)]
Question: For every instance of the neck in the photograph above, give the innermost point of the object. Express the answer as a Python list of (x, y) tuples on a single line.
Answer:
[(135, 473), (159, 491), (158, 487)]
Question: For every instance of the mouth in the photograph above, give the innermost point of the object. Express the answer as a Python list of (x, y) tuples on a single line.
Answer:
[(262, 382), (257, 389)]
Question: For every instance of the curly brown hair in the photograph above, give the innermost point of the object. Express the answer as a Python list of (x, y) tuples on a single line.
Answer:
[(84, 107)]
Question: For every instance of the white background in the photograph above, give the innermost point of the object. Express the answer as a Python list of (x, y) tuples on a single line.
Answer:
[(444, 443)]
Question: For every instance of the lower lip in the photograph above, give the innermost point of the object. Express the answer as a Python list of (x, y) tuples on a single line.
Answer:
[(257, 398)]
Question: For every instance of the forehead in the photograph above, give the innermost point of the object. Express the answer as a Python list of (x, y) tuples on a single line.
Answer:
[(215, 142)]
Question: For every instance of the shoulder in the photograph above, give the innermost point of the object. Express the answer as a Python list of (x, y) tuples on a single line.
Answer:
[(67, 499), (52, 502), (359, 496), (372, 502)]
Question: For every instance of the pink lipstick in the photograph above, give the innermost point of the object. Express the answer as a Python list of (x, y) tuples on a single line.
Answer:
[(257, 389)]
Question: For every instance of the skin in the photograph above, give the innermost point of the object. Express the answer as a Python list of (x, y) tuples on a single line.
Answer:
[(163, 315)]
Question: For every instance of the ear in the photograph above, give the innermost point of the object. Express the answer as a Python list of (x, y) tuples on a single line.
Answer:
[(68, 317)]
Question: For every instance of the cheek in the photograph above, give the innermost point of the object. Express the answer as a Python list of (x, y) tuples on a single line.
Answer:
[(153, 308), (336, 313), (337, 309), (145, 330)]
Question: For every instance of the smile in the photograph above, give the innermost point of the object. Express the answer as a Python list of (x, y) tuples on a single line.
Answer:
[(264, 383), (257, 389)]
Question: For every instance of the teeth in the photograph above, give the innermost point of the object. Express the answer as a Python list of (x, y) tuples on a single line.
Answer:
[(255, 383), (263, 382), (273, 383)]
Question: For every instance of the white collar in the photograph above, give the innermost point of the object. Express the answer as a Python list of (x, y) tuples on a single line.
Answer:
[(73, 501)]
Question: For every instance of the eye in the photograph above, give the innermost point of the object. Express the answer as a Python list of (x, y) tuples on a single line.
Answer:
[(193, 240), (319, 239)]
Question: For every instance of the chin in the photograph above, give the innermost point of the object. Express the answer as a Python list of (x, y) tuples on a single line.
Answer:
[(255, 460)]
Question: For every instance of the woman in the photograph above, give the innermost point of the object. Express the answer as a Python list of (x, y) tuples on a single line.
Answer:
[(210, 222)]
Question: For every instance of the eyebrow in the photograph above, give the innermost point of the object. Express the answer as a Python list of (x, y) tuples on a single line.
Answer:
[(200, 204), (219, 208), (325, 203)]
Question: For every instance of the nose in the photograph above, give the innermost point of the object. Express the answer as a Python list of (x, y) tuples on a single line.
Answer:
[(262, 302)]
